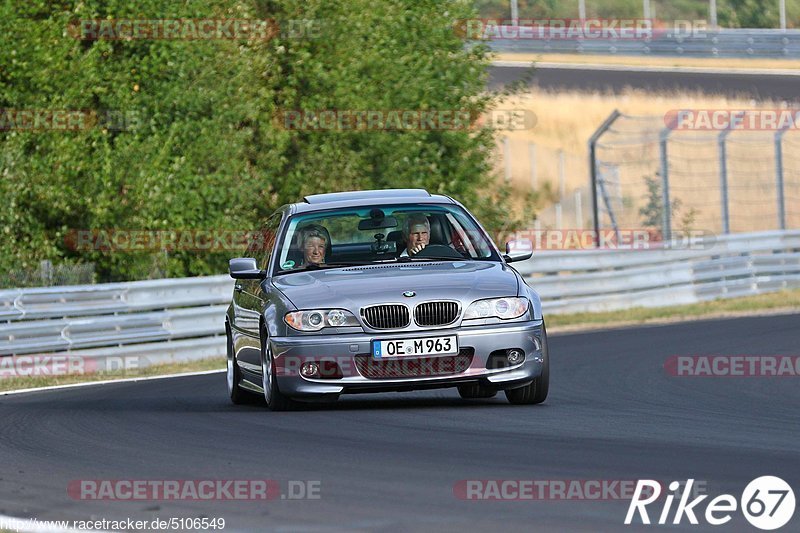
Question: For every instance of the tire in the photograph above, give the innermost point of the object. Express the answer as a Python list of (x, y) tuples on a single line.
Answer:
[(536, 392), (473, 391), (234, 376), (275, 400)]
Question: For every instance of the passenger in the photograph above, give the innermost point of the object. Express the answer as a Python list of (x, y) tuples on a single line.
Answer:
[(314, 241)]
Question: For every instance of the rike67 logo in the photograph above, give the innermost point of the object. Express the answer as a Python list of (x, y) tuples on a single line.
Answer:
[(767, 503)]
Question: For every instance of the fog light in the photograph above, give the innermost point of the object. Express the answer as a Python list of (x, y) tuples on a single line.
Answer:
[(515, 356), (309, 370)]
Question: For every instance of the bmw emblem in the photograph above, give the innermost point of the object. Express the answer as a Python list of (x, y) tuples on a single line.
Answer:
[(409, 294)]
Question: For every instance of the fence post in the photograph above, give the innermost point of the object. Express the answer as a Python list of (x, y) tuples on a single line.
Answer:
[(46, 272), (782, 11), (723, 181), (712, 11), (578, 210), (779, 178), (507, 158), (558, 216), (593, 169), (666, 215)]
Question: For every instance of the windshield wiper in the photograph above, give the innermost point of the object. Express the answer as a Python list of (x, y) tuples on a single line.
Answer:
[(408, 259), (323, 266)]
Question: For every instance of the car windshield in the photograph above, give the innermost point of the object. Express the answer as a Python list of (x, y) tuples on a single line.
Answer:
[(381, 234)]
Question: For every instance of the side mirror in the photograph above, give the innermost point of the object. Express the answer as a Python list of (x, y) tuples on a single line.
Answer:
[(245, 268), (518, 251)]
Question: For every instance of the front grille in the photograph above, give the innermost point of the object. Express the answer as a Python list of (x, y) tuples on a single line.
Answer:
[(436, 313), (388, 316), (414, 367)]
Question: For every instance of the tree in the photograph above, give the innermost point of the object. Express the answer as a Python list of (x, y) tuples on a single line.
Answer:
[(204, 150), (653, 211)]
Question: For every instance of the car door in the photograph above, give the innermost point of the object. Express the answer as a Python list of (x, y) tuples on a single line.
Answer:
[(252, 295)]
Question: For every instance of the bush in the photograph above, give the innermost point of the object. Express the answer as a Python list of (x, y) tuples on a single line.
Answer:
[(203, 150)]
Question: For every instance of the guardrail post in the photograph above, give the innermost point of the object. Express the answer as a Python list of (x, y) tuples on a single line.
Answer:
[(723, 181), (779, 178), (593, 169), (666, 215)]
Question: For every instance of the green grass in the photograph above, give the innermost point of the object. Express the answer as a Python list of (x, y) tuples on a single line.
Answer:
[(28, 382), (788, 299)]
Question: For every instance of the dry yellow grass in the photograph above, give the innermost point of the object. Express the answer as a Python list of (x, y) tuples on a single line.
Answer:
[(566, 120), (738, 63)]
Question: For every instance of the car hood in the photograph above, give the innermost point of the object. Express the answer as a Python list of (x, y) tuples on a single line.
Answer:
[(354, 287)]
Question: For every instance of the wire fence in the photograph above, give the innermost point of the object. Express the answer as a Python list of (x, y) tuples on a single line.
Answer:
[(722, 181), (48, 275), (561, 178), (648, 175)]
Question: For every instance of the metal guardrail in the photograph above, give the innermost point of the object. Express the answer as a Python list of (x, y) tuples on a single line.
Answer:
[(779, 44), (604, 280), (165, 320), (174, 320)]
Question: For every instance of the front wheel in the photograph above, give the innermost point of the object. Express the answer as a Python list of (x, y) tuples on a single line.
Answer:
[(537, 391), (276, 401), (234, 376)]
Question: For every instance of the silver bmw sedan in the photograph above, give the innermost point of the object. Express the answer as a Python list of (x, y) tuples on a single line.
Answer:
[(379, 291)]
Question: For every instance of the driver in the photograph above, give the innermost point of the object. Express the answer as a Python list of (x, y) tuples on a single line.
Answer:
[(416, 233)]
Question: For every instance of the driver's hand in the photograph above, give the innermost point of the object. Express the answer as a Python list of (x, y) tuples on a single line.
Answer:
[(417, 248)]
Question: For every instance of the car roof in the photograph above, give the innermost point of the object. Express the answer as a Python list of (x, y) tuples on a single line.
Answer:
[(319, 202)]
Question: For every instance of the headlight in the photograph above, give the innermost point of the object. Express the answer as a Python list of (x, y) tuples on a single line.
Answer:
[(505, 308), (316, 319)]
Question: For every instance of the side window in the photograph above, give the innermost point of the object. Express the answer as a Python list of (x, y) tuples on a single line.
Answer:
[(265, 241)]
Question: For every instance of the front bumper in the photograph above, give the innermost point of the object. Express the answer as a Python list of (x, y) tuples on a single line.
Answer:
[(481, 341)]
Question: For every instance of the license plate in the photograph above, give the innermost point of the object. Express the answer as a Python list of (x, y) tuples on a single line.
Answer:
[(416, 347)]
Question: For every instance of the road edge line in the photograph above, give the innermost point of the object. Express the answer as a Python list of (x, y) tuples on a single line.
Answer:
[(645, 68), (107, 382)]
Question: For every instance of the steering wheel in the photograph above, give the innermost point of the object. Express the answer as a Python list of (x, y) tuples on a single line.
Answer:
[(438, 251)]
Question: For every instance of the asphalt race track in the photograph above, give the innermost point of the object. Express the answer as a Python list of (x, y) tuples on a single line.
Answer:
[(758, 87), (390, 462)]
